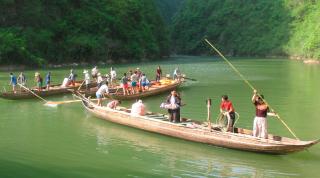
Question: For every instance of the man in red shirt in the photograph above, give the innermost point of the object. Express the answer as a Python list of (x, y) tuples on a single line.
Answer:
[(226, 108)]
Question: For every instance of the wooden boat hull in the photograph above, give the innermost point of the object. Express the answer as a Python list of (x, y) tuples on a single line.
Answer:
[(55, 90), (117, 93), (235, 140)]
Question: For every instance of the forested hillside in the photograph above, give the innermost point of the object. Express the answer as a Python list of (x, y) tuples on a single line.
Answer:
[(249, 27), (168, 8), (37, 31)]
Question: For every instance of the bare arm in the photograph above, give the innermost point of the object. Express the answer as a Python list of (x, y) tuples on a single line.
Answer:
[(253, 99)]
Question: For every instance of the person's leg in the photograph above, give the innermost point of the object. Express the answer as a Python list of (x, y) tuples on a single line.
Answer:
[(170, 115), (255, 130), (264, 132)]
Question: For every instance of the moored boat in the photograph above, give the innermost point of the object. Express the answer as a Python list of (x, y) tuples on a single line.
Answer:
[(154, 89), (54, 90), (240, 139)]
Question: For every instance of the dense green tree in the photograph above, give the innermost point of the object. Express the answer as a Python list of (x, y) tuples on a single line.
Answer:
[(39, 31), (249, 27)]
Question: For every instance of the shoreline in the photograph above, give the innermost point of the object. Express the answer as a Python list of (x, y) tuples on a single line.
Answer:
[(8, 68)]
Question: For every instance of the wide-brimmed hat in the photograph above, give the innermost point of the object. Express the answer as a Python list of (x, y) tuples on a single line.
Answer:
[(85, 71), (36, 74), (99, 74)]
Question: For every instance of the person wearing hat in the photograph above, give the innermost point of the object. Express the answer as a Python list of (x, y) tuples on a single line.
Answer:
[(86, 79), (38, 80), (94, 72)]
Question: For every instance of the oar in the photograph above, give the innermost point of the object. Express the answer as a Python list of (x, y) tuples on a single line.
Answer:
[(32, 93), (69, 101), (192, 79)]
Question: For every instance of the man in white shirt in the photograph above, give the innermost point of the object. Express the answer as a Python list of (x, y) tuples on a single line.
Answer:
[(113, 76), (86, 79), (100, 93)]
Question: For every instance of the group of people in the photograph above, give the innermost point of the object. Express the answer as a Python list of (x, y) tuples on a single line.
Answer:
[(22, 81), (260, 126)]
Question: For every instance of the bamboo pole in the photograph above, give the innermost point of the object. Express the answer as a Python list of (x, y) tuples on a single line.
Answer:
[(250, 85)]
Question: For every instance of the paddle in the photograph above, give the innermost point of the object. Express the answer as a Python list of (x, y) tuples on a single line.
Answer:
[(192, 79), (32, 92)]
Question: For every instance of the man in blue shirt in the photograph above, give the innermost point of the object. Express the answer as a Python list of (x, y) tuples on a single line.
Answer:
[(13, 81), (48, 80)]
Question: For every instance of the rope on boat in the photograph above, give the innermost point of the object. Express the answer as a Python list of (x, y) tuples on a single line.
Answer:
[(221, 116), (250, 85)]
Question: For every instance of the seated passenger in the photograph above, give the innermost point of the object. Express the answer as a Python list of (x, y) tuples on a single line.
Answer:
[(113, 104), (138, 109)]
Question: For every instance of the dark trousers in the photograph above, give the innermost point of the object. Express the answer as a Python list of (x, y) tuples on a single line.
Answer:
[(174, 115)]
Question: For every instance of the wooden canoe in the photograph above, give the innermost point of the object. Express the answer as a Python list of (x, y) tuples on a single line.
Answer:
[(195, 131), (54, 90), (154, 89)]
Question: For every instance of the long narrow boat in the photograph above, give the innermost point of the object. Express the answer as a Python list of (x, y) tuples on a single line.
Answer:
[(154, 89), (240, 139), (54, 90)]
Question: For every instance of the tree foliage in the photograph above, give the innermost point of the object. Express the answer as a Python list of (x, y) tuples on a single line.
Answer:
[(38, 31), (249, 27)]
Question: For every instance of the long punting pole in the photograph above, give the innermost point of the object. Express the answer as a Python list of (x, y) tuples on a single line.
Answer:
[(209, 113), (249, 84)]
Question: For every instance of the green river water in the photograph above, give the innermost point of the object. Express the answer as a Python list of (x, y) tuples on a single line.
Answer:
[(66, 141)]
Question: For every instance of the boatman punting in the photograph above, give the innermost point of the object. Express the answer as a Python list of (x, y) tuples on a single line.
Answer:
[(260, 125)]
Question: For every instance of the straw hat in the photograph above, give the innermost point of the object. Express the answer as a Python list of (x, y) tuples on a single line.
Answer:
[(36, 74), (85, 71), (99, 74)]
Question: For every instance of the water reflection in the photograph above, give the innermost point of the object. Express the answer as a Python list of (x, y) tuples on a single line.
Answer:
[(185, 159)]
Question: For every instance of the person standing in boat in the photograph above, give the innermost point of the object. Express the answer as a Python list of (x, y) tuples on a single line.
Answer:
[(175, 102), (99, 80), (48, 80), (94, 72), (177, 74), (227, 109), (22, 80), (113, 75), (86, 79), (144, 82), (260, 121), (72, 78), (38, 79), (101, 92), (134, 81), (124, 84), (158, 74), (13, 82)]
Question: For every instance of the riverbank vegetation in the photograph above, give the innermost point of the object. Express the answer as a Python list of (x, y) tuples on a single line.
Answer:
[(249, 28), (35, 32), (39, 32)]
